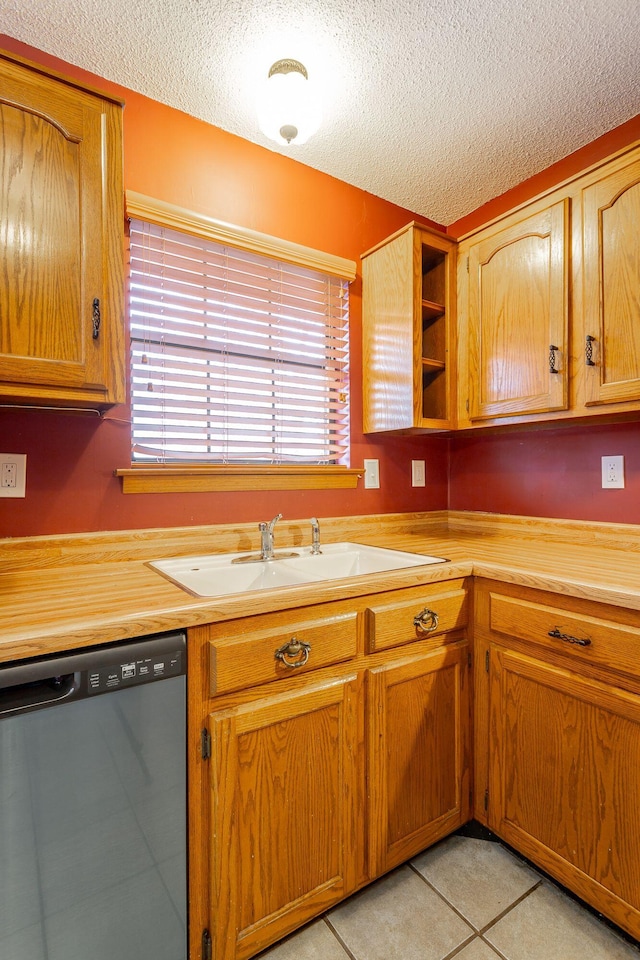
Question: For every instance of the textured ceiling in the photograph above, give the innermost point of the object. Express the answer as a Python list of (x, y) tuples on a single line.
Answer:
[(437, 105)]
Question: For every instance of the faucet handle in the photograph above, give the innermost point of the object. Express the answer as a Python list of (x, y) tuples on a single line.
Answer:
[(315, 533)]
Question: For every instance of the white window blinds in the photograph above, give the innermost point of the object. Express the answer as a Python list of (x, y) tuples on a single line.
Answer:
[(235, 357)]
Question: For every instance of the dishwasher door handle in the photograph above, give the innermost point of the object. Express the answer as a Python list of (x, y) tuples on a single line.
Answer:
[(31, 695)]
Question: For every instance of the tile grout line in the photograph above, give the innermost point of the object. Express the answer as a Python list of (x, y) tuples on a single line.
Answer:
[(508, 909), (443, 898), (333, 930), (461, 946), (479, 933)]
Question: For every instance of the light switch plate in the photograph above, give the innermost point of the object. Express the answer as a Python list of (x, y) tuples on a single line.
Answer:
[(417, 473), (371, 474)]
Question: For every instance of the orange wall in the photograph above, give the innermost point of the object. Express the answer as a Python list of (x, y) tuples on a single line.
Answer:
[(171, 156)]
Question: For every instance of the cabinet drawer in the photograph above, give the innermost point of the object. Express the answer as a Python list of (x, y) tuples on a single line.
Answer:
[(585, 638), (441, 607), (243, 654)]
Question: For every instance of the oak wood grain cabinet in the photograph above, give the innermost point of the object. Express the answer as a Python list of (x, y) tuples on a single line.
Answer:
[(518, 316), (284, 794), (548, 306), (611, 267), (334, 744), (61, 210), (418, 721), (418, 726), (408, 321), (562, 775)]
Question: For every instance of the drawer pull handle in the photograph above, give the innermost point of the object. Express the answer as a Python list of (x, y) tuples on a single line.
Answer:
[(294, 653), (555, 633), (426, 621)]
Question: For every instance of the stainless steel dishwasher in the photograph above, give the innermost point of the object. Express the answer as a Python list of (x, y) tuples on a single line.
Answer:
[(93, 804)]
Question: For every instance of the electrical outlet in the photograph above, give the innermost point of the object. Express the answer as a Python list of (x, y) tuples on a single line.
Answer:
[(13, 474), (613, 473), (371, 474), (417, 473)]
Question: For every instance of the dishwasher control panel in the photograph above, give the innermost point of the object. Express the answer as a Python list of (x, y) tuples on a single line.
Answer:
[(131, 672)]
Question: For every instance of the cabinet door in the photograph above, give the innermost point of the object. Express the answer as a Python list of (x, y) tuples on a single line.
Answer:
[(565, 779), (612, 286), (418, 723), (284, 793), (518, 317), (62, 225)]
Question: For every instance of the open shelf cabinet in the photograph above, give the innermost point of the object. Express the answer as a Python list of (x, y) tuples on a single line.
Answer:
[(408, 328)]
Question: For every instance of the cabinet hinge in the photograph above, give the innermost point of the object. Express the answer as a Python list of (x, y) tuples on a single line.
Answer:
[(486, 661), (206, 945), (467, 264), (469, 660), (205, 744), (486, 800)]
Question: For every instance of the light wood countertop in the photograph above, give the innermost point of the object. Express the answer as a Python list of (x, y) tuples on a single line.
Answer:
[(63, 593)]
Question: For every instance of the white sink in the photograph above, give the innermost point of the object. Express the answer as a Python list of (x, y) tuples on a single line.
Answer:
[(216, 575)]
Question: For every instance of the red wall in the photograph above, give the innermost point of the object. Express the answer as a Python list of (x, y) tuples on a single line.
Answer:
[(173, 157), (547, 472)]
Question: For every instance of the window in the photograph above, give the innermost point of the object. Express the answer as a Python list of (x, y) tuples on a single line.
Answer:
[(236, 357)]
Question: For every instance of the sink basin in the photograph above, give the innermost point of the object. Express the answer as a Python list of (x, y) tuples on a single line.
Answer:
[(216, 575)]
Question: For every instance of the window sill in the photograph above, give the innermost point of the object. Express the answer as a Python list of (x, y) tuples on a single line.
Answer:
[(174, 478)]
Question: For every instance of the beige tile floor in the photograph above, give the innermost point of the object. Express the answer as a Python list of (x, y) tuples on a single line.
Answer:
[(465, 898)]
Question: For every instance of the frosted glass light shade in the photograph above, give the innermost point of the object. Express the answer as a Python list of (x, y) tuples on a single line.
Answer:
[(288, 104)]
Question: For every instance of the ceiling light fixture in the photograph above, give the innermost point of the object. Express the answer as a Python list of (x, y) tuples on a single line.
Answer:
[(288, 105)]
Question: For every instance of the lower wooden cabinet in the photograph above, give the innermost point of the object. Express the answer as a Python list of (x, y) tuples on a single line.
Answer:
[(418, 726), (320, 771), (563, 769), (284, 794)]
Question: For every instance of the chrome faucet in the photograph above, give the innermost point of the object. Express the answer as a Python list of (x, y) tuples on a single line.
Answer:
[(266, 538), (315, 533)]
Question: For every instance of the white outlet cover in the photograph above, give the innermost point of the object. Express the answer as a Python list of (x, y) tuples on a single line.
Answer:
[(612, 473), (17, 462)]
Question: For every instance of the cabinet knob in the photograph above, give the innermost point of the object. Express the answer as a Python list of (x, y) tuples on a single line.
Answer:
[(426, 621), (294, 653)]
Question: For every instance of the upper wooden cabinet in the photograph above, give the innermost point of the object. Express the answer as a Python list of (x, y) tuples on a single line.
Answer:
[(518, 317), (61, 248), (612, 286), (549, 309), (408, 322)]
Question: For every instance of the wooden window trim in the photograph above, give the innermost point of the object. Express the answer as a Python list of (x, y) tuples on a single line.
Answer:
[(205, 478), (140, 207)]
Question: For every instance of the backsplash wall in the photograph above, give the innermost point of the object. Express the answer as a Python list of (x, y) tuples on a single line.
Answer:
[(547, 472)]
